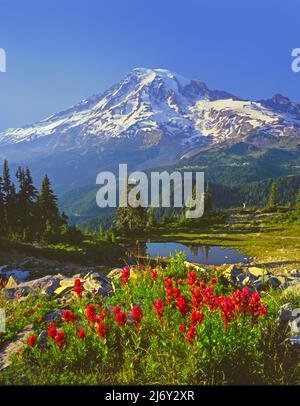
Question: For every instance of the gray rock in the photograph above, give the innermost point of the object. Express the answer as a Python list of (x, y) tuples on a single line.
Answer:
[(43, 339), (272, 281), (258, 285), (284, 315), (115, 273), (49, 290), (292, 341), (11, 283), (57, 315), (15, 346), (257, 272), (293, 290)]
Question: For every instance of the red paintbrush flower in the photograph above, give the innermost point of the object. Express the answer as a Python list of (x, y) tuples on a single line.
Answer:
[(81, 334), (182, 327), (191, 334), (52, 331), (120, 318), (159, 307), (68, 316), (154, 274), (117, 309), (191, 279), (182, 305), (196, 318), (31, 341), (125, 275), (60, 340), (137, 313), (101, 331), (91, 313), (78, 288)]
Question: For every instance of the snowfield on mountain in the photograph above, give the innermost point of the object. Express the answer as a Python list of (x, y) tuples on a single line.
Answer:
[(152, 117)]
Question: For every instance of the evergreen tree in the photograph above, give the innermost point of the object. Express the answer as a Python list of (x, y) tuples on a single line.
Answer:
[(49, 215), (208, 203), (2, 211), (131, 218), (6, 180), (101, 231), (151, 217), (11, 209), (26, 201), (297, 206), (272, 203)]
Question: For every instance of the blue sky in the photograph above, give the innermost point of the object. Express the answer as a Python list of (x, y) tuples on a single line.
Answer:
[(61, 51)]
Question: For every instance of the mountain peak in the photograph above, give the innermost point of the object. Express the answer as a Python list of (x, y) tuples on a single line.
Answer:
[(153, 108), (281, 103)]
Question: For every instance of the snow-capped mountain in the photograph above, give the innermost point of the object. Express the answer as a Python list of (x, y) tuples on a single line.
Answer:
[(152, 117)]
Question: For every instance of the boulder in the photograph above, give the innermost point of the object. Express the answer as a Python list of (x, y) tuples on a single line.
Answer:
[(49, 290), (43, 339), (15, 346), (271, 281), (92, 286), (54, 316), (63, 290), (68, 282), (41, 283), (231, 273), (115, 273), (293, 290), (285, 315), (257, 272), (11, 283), (292, 341), (249, 279), (195, 267)]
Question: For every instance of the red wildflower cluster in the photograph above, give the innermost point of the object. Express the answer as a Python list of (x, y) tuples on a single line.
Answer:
[(68, 316), (101, 330), (31, 340), (159, 307), (227, 308), (116, 309), (191, 334), (91, 314), (196, 317), (57, 336), (137, 313), (182, 327), (249, 303), (60, 339), (78, 288), (209, 298), (81, 334), (154, 274), (192, 279), (125, 275), (172, 292), (121, 318), (182, 305)]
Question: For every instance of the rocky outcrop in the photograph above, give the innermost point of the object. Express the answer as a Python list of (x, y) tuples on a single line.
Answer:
[(15, 346)]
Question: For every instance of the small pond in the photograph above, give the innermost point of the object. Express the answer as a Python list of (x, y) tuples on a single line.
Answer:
[(202, 254), (18, 274)]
